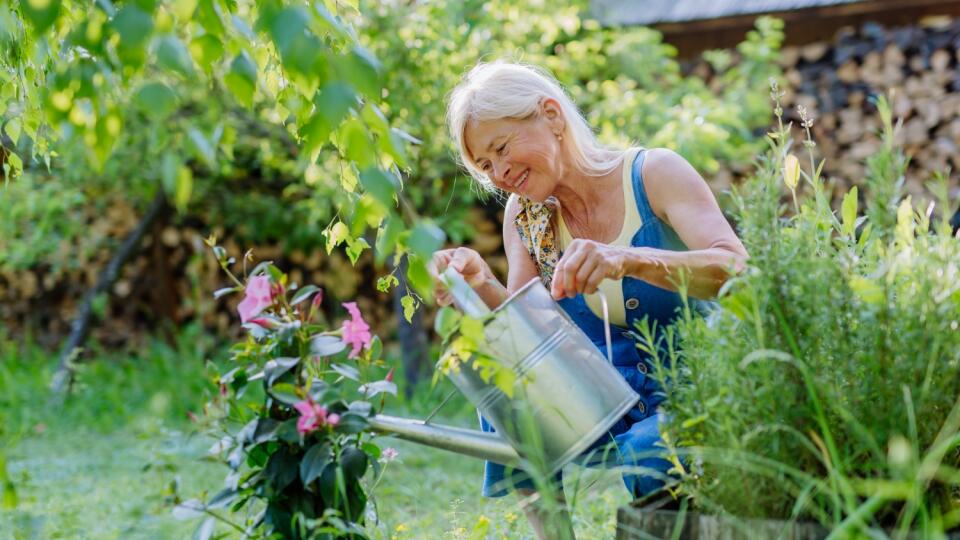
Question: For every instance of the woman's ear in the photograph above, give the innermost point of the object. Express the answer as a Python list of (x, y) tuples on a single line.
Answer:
[(551, 112)]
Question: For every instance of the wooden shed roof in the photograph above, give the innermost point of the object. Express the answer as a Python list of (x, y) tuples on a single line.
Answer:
[(653, 12)]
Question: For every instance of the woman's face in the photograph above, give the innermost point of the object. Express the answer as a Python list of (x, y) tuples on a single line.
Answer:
[(522, 156)]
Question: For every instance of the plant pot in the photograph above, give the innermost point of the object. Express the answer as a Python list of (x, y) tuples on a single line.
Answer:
[(636, 522)]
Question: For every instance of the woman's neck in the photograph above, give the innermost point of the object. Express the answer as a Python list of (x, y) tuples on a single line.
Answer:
[(583, 197)]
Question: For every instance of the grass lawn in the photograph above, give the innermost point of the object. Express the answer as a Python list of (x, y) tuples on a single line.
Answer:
[(107, 463), (81, 484)]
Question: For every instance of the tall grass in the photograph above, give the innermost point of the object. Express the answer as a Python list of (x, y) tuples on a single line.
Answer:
[(827, 386)]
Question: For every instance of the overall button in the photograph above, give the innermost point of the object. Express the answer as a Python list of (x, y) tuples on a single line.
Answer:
[(641, 407), (642, 367), (632, 303)]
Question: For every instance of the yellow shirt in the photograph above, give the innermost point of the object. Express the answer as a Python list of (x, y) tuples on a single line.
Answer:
[(631, 224)]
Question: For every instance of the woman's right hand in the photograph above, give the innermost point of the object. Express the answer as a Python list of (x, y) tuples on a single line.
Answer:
[(466, 261)]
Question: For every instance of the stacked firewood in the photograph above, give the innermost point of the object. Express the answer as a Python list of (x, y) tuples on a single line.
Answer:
[(171, 279), (915, 66)]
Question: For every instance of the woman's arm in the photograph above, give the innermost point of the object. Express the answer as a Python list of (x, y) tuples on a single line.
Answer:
[(681, 198), (477, 272), (520, 266)]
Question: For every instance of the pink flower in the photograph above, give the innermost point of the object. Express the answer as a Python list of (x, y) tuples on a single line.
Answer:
[(259, 296), (318, 298), (389, 454), (389, 377), (333, 419), (356, 331), (312, 416)]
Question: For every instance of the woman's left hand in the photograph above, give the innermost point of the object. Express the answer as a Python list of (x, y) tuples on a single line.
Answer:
[(584, 265)]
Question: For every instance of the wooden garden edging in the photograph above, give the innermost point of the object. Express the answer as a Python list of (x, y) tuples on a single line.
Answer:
[(635, 522)]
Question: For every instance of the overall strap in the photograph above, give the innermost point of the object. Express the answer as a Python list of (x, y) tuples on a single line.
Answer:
[(639, 193)]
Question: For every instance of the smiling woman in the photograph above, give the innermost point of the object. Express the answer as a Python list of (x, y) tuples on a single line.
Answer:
[(628, 223)]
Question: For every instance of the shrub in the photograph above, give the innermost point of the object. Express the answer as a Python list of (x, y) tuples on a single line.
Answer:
[(300, 447), (826, 387)]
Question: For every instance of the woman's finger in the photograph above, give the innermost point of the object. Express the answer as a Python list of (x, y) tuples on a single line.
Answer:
[(571, 265), (593, 281), (583, 273)]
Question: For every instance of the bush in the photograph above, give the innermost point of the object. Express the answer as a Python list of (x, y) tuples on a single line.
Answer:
[(826, 387)]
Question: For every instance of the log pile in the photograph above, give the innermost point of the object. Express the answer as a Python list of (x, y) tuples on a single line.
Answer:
[(836, 80), (171, 279)]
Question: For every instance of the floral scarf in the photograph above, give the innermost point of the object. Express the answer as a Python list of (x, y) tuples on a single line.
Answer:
[(536, 223)]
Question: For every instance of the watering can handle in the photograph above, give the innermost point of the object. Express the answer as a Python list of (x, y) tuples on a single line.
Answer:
[(606, 325), (463, 294), (471, 304)]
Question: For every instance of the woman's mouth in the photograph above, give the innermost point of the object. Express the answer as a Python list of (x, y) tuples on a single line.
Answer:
[(523, 180)]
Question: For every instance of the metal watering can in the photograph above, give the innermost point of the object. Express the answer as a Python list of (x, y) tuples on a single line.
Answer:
[(566, 394)]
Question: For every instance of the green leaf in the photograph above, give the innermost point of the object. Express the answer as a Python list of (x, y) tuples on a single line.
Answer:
[(286, 25), (362, 70), (380, 184), (419, 276), (446, 322), (275, 368), (353, 461), (472, 329), (387, 236), (286, 393), (304, 293), (314, 461), (206, 50), (282, 468), (209, 16), (377, 387), (333, 102), (385, 282), (351, 423), (410, 304), (336, 235), (355, 247), (425, 239), (156, 100), (223, 499), (349, 372), (184, 188), (188, 509), (376, 348), (326, 345), (242, 78), (848, 210), (202, 147), (134, 27), (13, 129), (41, 13), (356, 145), (172, 55), (205, 530)]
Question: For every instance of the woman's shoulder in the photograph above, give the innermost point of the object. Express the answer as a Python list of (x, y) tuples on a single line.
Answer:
[(666, 176)]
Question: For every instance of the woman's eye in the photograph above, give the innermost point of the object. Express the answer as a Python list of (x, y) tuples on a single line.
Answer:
[(501, 148)]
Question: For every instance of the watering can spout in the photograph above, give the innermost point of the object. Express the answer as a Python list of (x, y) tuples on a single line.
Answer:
[(463, 441)]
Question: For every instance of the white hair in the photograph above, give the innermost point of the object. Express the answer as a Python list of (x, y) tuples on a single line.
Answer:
[(501, 89)]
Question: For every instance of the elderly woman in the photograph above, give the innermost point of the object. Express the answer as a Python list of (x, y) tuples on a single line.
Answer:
[(586, 219)]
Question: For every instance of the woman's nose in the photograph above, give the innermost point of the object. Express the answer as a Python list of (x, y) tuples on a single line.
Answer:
[(501, 171)]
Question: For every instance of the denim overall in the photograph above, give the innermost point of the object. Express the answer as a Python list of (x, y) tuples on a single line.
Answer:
[(636, 435)]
